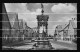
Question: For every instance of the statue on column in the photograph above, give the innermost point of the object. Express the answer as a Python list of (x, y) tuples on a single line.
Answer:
[(42, 22), (42, 8), (42, 31)]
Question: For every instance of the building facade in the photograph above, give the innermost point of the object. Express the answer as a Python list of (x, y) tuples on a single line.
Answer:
[(67, 32), (35, 32), (16, 28), (13, 17), (6, 26)]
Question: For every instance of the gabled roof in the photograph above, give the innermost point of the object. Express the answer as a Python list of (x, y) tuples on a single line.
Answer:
[(16, 23), (73, 23), (5, 18), (62, 27), (12, 17), (66, 26), (22, 24), (28, 27)]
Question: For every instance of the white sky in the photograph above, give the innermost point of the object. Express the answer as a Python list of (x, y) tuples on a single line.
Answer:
[(56, 12)]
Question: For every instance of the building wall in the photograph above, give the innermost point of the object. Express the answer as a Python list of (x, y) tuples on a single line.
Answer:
[(5, 25), (21, 25), (27, 31), (71, 30), (67, 32), (35, 32), (58, 34), (12, 16), (61, 37), (13, 34), (16, 28)]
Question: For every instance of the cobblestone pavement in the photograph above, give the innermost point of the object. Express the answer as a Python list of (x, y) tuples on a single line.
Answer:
[(29, 46), (58, 44)]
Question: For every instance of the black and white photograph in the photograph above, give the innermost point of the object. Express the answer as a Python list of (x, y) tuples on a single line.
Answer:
[(39, 26)]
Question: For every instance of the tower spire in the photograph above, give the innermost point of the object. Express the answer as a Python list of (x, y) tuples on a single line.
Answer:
[(42, 8)]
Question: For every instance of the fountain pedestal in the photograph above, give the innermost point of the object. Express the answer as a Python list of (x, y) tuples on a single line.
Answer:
[(42, 41)]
